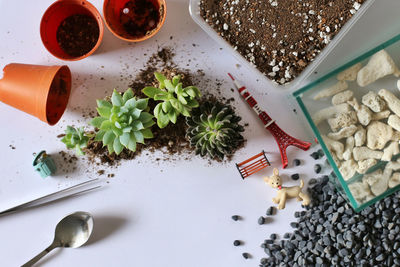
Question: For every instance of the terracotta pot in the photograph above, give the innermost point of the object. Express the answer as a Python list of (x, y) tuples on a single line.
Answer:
[(42, 91), (112, 10), (53, 17)]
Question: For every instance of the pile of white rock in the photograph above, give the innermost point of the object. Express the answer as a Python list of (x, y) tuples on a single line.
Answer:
[(362, 134)]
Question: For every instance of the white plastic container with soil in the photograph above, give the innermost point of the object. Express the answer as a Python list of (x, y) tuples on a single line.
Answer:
[(354, 112), (257, 33)]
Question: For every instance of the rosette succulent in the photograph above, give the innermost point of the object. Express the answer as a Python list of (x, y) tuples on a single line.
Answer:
[(175, 99), (123, 122), (75, 138), (214, 130)]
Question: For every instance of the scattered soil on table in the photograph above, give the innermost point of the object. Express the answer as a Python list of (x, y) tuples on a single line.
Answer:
[(68, 164), (281, 38), (140, 17), (78, 34), (171, 139), (12, 147)]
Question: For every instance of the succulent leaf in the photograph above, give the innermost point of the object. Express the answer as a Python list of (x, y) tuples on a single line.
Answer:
[(176, 79), (161, 96), (132, 142), (118, 147), (162, 120), (103, 103), (142, 103), (160, 78), (157, 110), (182, 99), (139, 136), (96, 122), (99, 135), (122, 121), (108, 137), (147, 133), (166, 106), (131, 103), (124, 139), (151, 91), (127, 95), (193, 103), (116, 99), (169, 86), (106, 125), (214, 130), (172, 116)]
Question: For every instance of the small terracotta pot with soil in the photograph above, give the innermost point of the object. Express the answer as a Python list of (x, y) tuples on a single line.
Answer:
[(42, 91), (134, 20), (71, 29)]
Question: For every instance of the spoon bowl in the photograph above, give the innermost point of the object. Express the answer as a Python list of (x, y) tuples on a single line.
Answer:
[(72, 231)]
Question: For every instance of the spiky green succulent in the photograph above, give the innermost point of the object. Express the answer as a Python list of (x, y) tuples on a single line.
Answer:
[(214, 129), (75, 138), (175, 100), (123, 122)]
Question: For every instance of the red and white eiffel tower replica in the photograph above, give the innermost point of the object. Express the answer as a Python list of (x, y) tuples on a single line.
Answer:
[(283, 139)]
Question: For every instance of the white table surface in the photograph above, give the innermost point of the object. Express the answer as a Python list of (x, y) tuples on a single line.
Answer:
[(152, 213)]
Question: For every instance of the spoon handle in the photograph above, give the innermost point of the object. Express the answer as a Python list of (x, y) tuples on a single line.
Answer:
[(40, 255)]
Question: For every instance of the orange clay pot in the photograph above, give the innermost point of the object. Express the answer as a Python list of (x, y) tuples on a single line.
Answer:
[(42, 91), (112, 15), (53, 17)]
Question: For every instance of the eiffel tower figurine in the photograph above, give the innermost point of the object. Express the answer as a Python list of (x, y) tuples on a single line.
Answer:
[(283, 139)]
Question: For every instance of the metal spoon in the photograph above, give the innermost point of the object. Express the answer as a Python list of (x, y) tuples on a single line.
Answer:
[(71, 232)]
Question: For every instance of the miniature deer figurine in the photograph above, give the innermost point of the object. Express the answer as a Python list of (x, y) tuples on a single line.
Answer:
[(275, 181)]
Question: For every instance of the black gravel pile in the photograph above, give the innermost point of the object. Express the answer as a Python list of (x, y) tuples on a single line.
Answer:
[(330, 233)]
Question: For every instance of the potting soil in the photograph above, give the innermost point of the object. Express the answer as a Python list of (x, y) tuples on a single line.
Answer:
[(78, 34), (281, 38), (140, 17)]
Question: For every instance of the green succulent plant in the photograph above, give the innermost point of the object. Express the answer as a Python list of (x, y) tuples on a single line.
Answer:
[(75, 138), (214, 130), (123, 122), (175, 99)]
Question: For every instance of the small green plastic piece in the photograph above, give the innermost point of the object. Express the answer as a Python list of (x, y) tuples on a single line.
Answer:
[(44, 164)]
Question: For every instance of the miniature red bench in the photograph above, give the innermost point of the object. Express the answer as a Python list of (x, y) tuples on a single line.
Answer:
[(253, 165)]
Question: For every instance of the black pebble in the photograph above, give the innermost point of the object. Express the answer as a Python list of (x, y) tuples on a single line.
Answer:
[(287, 235), (312, 181), (261, 220), (237, 243), (296, 162), (235, 217), (295, 176), (246, 255), (315, 155), (317, 168), (321, 153), (270, 211), (273, 236)]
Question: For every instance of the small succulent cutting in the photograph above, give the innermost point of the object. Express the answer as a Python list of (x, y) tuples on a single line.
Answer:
[(214, 130), (123, 122), (175, 99), (75, 138)]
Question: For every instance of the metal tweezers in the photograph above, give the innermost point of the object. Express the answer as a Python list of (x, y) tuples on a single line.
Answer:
[(58, 195)]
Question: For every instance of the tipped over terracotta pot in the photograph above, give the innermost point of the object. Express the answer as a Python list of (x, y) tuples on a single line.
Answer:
[(42, 91)]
